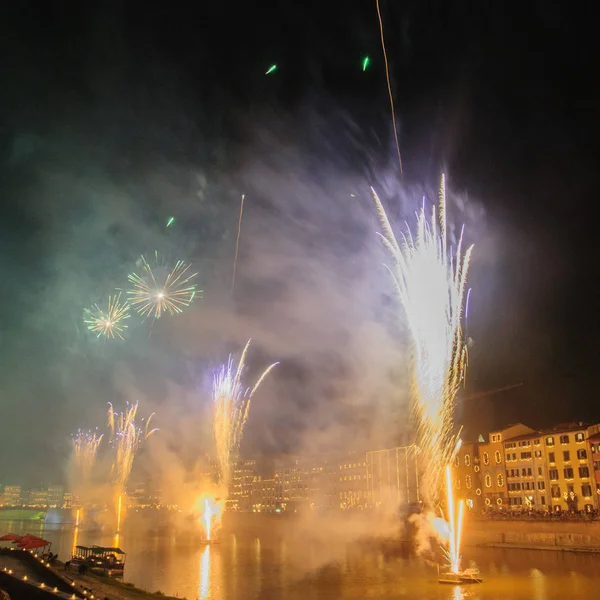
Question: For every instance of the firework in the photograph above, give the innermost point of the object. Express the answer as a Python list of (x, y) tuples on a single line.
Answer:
[(231, 405), (126, 438), (85, 449), (430, 280), (107, 323), (455, 520), (161, 290), (211, 510), (237, 243)]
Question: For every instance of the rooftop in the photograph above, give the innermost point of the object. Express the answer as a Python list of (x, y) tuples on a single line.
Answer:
[(524, 436)]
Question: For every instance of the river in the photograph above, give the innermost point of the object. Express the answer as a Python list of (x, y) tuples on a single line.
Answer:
[(271, 562)]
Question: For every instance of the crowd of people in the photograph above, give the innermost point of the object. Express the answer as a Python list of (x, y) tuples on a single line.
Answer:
[(527, 514)]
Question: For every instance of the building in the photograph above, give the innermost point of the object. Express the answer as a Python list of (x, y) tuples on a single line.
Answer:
[(570, 467), (392, 477), (292, 475), (12, 496), (493, 465), (527, 471), (240, 491), (594, 442), (56, 496), (353, 478), (265, 494), (466, 475), (37, 498)]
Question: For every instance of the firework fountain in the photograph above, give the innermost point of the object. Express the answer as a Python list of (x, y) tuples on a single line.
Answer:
[(430, 279), (231, 405), (127, 438), (85, 450)]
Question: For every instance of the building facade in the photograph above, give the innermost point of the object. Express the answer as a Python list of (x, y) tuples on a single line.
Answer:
[(527, 471), (466, 475), (493, 466), (392, 477), (570, 467)]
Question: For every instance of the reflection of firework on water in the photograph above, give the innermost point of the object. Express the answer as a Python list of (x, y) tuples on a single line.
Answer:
[(231, 405), (126, 439), (107, 323), (430, 280), (162, 289), (85, 448)]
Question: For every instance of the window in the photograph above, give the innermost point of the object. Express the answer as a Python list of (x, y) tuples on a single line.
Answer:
[(549, 441), (536, 442), (468, 482), (543, 499), (541, 486), (586, 490), (538, 454), (486, 458), (564, 439), (488, 481), (457, 461), (498, 437), (568, 471), (523, 472), (514, 456), (566, 456), (551, 457), (467, 460), (500, 480), (498, 457), (529, 474), (525, 455), (584, 472), (540, 471), (458, 484), (579, 437), (493, 437), (555, 491), (553, 474), (582, 454), (597, 465)]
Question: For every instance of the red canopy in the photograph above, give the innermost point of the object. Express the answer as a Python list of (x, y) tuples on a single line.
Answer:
[(33, 544), (30, 542), (10, 537)]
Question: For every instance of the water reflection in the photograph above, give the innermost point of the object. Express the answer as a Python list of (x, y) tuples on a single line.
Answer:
[(205, 573), (255, 563)]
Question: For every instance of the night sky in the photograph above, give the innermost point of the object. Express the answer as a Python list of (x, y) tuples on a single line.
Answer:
[(113, 119)]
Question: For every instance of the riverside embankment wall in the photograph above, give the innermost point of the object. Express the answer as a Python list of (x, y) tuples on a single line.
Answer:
[(551, 535)]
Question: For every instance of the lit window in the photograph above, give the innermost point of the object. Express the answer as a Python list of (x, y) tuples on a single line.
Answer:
[(468, 482), (486, 458), (500, 480), (467, 460), (457, 461), (498, 457), (579, 437), (550, 441), (488, 481)]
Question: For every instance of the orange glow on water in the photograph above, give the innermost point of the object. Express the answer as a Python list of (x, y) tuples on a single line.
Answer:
[(119, 508)]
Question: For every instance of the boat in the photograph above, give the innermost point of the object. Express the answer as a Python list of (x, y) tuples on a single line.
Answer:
[(100, 559), (460, 578)]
